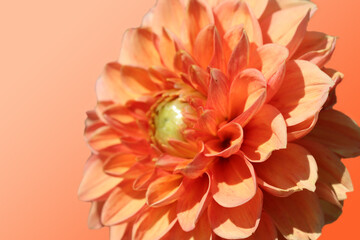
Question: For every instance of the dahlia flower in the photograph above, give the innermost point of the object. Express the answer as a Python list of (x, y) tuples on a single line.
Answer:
[(217, 122)]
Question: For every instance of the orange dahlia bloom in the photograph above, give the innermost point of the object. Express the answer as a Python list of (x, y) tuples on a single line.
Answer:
[(216, 122)]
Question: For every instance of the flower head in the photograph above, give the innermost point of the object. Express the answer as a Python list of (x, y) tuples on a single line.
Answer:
[(216, 122)]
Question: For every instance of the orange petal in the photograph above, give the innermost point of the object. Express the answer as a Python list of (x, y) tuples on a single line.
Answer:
[(191, 205), (234, 13), (287, 171), (233, 181), (168, 14), (218, 92), (265, 133), (163, 190), (266, 229), (122, 204), (239, 58), (245, 91), (331, 170), (199, 79), (330, 204), (95, 182), (286, 27), (196, 167), (337, 77), (207, 122), (302, 129), (94, 221), (317, 48), (169, 162), (338, 132), (154, 223), (304, 91), (119, 231), (239, 222), (139, 40), (297, 216), (199, 16), (208, 48), (118, 164)]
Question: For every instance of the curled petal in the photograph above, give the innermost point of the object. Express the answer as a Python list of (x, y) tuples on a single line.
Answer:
[(265, 133), (238, 222), (95, 182), (298, 216), (287, 171), (304, 91), (302, 129), (338, 132), (233, 182)]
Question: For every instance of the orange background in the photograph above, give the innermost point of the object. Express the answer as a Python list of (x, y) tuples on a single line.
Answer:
[(51, 53)]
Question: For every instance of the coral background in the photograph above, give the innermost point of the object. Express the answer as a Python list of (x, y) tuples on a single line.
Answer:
[(51, 53)]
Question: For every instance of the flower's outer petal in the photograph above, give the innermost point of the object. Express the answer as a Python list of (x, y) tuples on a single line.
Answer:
[(191, 205), (257, 6), (337, 77), (218, 92), (95, 182), (276, 5), (265, 133), (199, 15), (239, 222), (331, 170), (94, 219), (139, 40), (208, 50), (233, 181), (304, 91), (316, 47), (168, 14), (118, 231), (338, 132), (233, 13), (245, 91), (239, 58), (266, 229), (122, 204), (228, 143), (302, 129), (286, 27), (298, 216), (154, 223), (287, 171), (119, 164), (163, 190), (103, 138)]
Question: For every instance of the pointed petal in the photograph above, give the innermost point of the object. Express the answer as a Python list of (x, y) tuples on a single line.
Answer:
[(330, 204), (287, 171), (95, 182), (239, 222), (304, 91), (257, 6), (218, 92), (246, 89), (297, 216), (154, 223), (94, 221), (286, 27), (122, 204), (233, 181), (239, 58), (338, 132), (163, 190), (266, 229), (234, 13), (199, 16), (317, 48), (199, 79), (265, 133), (192, 204)]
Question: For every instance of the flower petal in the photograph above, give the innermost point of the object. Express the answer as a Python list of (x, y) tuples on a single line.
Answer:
[(338, 132), (286, 27), (95, 182), (233, 181), (118, 231), (94, 221), (192, 204), (119, 164), (154, 223), (122, 204), (302, 129), (238, 222), (239, 58), (218, 92), (266, 229), (317, 48), (265, 133), (199, 16), (304, 91), (163, 190), (287, 171), (297, 216), (257, 6), (246, 89)]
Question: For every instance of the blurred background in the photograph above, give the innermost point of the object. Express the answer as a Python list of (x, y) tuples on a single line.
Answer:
[(51, 53)]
